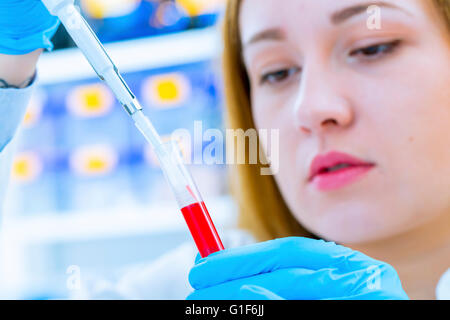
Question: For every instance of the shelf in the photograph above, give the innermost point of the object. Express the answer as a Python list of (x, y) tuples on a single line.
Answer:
[(120, 222), (133, 55)]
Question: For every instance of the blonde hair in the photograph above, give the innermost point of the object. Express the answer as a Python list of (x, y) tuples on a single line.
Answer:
[(443, 6), (262, 209)]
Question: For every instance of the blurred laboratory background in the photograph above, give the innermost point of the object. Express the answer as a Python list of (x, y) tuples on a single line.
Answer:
[(85, 188)]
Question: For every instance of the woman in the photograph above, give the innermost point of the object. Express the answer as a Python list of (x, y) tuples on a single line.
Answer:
[(363, 118), (341, 93)]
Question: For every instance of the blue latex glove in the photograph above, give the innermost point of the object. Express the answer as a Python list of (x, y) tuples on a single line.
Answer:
[(295, 269), (25, 25)]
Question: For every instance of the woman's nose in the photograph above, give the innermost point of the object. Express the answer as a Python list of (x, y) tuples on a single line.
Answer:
[(321, 104)]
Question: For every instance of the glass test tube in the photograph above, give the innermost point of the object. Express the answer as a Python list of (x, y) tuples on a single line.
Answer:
[(189, 200)]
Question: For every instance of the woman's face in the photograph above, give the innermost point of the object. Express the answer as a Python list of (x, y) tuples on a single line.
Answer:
[(362, 107)]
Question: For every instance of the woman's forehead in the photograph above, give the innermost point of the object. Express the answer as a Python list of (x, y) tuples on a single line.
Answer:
[(257, 16)]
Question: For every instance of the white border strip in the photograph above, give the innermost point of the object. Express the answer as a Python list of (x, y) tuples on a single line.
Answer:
[(134, 55)]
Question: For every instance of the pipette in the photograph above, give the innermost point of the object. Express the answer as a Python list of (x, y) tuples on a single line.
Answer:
[(186, 193)]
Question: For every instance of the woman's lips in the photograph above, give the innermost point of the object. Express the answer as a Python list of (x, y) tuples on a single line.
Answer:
[(335, 170)]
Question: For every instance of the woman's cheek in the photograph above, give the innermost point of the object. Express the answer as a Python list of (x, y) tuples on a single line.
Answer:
[(294, 148), (414, 111), (275, 113)]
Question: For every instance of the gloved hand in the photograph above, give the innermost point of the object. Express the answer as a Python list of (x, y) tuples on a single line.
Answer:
[(25, 25), (295, 269)]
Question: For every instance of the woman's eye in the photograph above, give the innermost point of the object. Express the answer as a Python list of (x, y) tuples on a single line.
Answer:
[(375, 51), (279, 75)]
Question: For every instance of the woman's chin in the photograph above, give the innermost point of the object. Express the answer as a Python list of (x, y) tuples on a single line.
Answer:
[(353, 224)]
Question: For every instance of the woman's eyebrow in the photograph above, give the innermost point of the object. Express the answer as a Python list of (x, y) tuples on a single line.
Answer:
[(269, 34), (347, 13)]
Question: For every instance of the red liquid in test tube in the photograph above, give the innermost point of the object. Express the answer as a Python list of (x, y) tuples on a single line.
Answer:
[(202, 228)]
